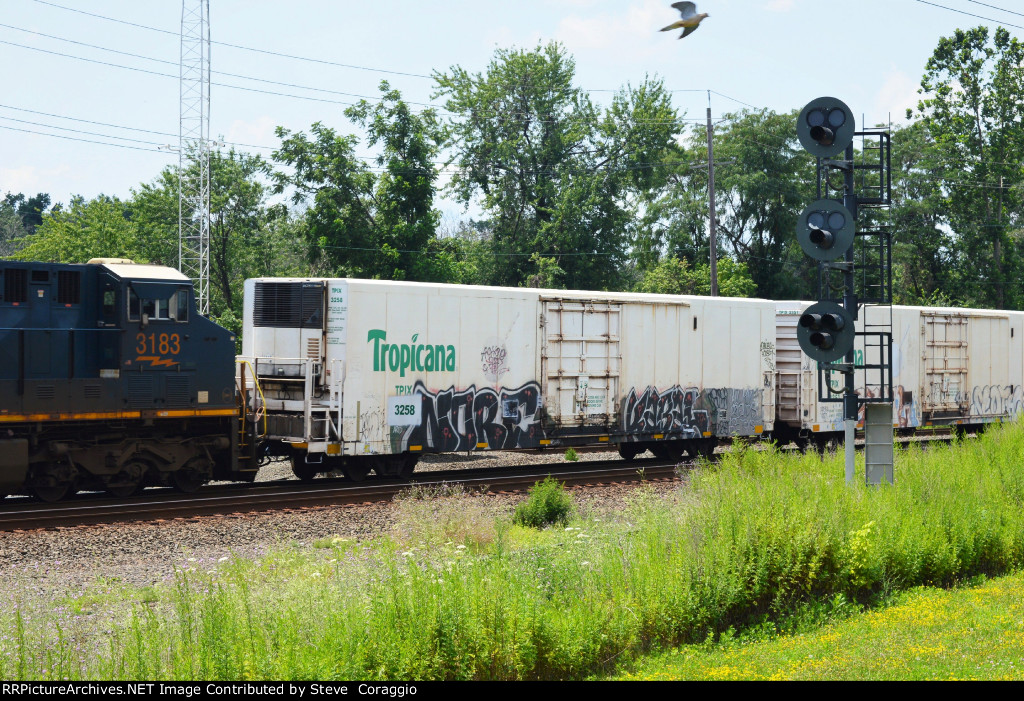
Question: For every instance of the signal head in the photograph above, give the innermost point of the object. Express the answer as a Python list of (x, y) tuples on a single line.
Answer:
[(826, 332), (825, 230), (825, 127)]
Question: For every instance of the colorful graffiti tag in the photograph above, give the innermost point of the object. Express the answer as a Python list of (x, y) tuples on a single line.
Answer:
[(472, 418)]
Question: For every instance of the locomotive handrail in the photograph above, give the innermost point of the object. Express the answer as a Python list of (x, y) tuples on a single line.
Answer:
[(263, 400)]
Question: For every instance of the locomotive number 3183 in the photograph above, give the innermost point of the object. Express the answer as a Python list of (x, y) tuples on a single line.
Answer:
[(153, 344)]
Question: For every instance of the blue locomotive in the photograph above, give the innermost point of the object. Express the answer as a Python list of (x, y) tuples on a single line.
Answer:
[(110, 380)]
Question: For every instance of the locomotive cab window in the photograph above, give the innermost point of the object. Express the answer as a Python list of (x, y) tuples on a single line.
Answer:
[(173, 307)]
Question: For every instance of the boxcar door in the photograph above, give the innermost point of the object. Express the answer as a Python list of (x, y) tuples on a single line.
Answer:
[(581, 361)]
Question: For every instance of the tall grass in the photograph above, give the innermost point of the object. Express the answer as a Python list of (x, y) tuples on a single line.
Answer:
[(750, 540)]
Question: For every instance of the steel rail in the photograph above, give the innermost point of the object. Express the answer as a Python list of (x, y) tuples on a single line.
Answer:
[(231, 500)]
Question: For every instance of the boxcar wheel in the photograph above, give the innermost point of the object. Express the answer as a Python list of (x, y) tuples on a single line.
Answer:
[(302, 469), (356, 470), (667, 450), (629, 451)]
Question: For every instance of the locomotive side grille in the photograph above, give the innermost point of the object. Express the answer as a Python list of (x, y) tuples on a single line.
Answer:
[(69, 287), (179, 391), (289, 305), (139, 390), (15, 285), (92, 391), (45, 392)]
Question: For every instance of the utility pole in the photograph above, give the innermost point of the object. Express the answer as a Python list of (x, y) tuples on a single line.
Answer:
[(194, 148), (713, 234)]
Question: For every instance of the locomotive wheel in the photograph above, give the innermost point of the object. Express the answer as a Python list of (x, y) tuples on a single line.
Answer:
[(302, 469), (193, 475), (55, 483), (128, 481)]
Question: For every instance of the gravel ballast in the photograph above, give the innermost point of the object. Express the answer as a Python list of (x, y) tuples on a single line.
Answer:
[(56, 562)]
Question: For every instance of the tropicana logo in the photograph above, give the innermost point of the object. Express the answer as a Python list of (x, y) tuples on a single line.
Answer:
[(399, 357)]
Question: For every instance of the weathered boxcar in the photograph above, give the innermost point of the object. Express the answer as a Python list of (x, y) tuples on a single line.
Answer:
[(358, 374), (950, 366)]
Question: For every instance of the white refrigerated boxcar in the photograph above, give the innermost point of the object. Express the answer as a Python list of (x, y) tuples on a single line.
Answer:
[(360, 374), (951, 366)]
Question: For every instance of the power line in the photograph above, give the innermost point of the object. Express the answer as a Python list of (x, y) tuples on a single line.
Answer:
[(237, 46), (1001, 9), (317, 60), (969, 14), (87, 141), (270, 92)]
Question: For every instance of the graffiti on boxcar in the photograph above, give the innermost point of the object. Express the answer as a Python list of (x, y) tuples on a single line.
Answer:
[(768, 355), (464, 419), (734, 411), (493, 361), (672, 411), (996, 400), (690, 412)]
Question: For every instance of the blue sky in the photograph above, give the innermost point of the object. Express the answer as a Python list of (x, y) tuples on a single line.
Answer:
[(777, 54)]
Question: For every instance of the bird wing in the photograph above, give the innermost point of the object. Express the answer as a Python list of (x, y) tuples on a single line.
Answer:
[(686, 9), (689, 30)]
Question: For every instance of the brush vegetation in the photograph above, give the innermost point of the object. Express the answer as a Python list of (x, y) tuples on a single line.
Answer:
[(743, 545)]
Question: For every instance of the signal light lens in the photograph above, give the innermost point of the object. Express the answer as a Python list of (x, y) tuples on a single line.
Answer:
[(824, 341), (836, 220), (833, 322), (823, 135), (816, 118), (811, 321), (822, 238)]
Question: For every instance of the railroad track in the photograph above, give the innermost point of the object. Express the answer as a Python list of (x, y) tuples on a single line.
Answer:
[(156, 505)]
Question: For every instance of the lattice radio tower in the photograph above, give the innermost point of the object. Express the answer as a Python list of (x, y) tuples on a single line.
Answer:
[(194, 150)]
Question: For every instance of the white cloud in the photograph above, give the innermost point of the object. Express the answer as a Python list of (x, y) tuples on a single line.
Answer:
[(897, 93), (259, 132), (626, 33), (30, 180)]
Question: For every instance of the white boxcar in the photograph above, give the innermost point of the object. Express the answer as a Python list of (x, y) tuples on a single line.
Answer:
[(949, 365), (359, 367)]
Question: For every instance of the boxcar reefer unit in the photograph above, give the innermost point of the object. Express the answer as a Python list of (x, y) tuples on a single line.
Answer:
[(360, 375), (110, 379)]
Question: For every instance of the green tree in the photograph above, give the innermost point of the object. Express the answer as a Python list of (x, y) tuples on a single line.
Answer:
[(972, 109), (29, 209), (248, 237), (556, 175), (675, 276), (361, 223), (96, 228), (923, 247), (763, 182)]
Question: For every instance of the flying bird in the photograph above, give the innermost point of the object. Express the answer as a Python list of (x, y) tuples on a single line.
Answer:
[(690, 21)]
